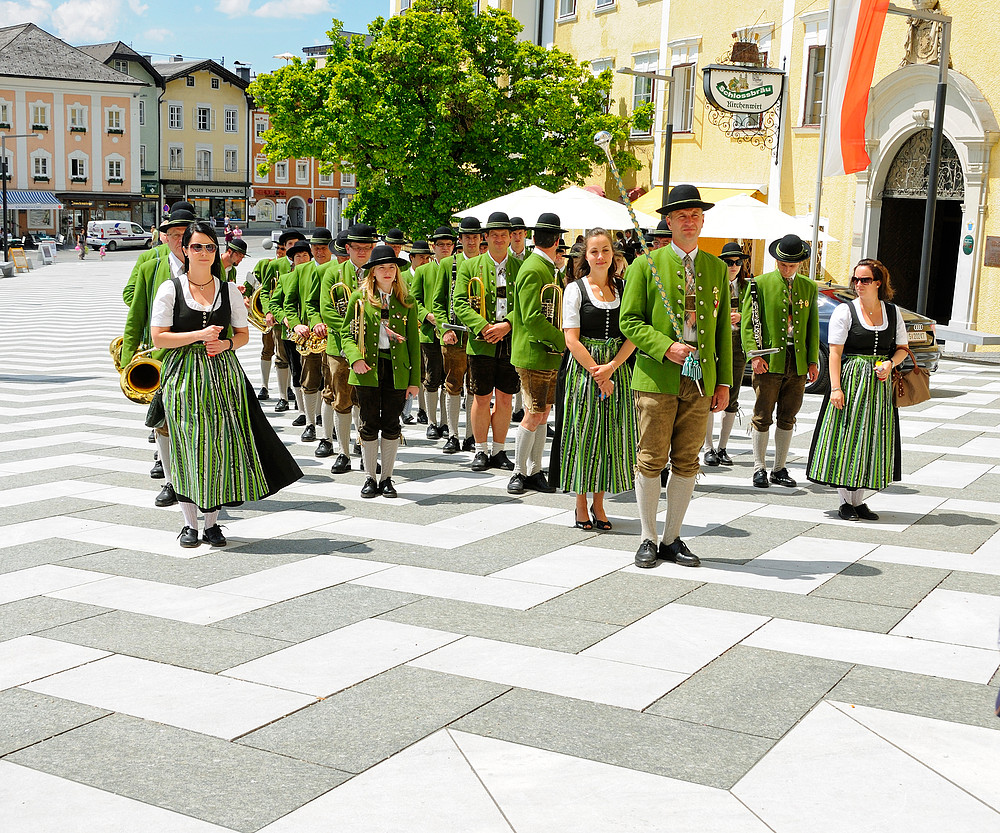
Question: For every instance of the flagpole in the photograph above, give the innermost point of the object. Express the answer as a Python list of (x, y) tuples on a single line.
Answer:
[(827, 60)]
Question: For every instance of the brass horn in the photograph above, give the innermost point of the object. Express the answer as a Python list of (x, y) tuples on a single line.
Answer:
[(115, 348), (140, 379), (357, 326), (256, 315), (550, 297), (307, 345), (476, 294), (340, 292)]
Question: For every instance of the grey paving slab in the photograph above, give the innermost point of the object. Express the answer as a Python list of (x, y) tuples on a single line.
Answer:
[(306, 543), (225, 783), (899, 691), (972, 583), (317, 613), (877, 582), (39, 509), (752, 690), (840, 613), (27, 718), (48, 551), (145, 517), (38, 613), (164, 640), (617, 599), (536, 627), (35, 478), (350, 730), (647, 742)]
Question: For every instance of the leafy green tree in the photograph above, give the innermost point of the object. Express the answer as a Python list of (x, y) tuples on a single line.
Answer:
[(441, 108)]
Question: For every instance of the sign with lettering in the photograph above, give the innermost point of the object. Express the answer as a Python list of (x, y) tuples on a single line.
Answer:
[(741, 89), (992, 254), (215, 191)]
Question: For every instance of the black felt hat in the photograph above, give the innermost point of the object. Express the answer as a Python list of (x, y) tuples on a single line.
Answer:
[(498, 221), (296, 247), (662, 229), (684, 196), (289, 237), (470, 225), (321, 237), (178, 217), (237, 245), (445, 233), (517, 224), (339, 244), (549, 222), (383, 253), (361, 233), (648, 238), (420, 247), (789, 249), (395, 237), (731, 250)]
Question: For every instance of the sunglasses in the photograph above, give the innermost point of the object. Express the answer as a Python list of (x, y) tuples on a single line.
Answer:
[(732, 262), (202, 247), (863, 281)]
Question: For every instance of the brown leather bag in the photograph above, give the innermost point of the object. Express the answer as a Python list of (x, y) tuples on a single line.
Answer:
[(913, 386)]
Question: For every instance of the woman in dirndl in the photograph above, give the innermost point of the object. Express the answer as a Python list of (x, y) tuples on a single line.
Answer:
[(856, 444), (223, 451), (597, 431)]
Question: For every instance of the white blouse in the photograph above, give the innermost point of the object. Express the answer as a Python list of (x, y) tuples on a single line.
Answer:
[(573, 299), (163, 304), (840, 323)]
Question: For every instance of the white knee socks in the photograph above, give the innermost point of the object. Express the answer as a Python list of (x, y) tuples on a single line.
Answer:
[(728, 420), (524, 443), (647, 497), (265, 372), (422, 403), (454, 407), (431, 406), (311, 401), (709, 430), (759, 447), (344, 432), (538, 449), (369, 454), (389, 449), (679, 491), (299, 400), (190, 513), (782, 442), (328, 418), (163, 446), (211, 518), (284, 374)]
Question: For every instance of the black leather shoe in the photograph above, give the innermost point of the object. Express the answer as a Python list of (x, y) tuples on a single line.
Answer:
[(443, 430), (319, 419), (166, 497), (480, 462), (679, 554), (370, 489), (309, 435), (452, 446), (539, 482), (781, 477), (517, 416), (469, 444), (299, 421), (516, 485), (432, 432), (188, 537), (324, 449), (664, 475), (422, 416), (865, 513), (213, 535), (341, 464), (280, 406), (386, 489), (262, 395), (760, 479), (712, 457), (357, 449), (847, 512), (152, 436), (290, 396), (156, 473), (724, 458), (500, 460), (408, 419), (645, 556)]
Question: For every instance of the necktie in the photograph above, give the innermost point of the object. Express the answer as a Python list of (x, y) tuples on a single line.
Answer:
[(689, 275), (501, 302)]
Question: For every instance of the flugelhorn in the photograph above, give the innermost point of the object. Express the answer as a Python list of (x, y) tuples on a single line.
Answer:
[(115, 348), (256, 315), (550, 298), (340, 292), (357, 326), (140, 379)]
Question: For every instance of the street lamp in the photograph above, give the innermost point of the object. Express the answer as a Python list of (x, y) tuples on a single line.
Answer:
[(668, 127), (3, 168)]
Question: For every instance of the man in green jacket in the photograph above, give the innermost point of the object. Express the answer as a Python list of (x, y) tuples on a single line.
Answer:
[(789, 317), (538, 345), (232, 256), (454, 355), (431, 358), (680, 320), (272, 299), (483, 287), (153, 253)]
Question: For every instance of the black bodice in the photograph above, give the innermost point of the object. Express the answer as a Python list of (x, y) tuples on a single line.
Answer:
[(864, 342), (187, 320), (599, 323)]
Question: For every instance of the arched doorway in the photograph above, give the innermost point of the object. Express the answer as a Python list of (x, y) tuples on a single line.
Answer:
[(900, 237), (296, 212)]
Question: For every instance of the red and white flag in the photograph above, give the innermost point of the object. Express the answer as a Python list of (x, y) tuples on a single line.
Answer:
[(852, 49)]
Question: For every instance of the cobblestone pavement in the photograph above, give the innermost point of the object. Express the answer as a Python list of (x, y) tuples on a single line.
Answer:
[(462, 660)]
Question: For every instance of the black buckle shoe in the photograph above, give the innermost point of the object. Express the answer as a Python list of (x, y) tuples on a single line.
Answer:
[(469, 444), (386, 489), (262, 395), (299, 421), (679, 553), (156, 473), (847, 512), (324, 449), (213, 535), (712, 457), (422, 416), (865, 513), (309, 435), (280, 406), (480, 462), (152, 436), (539, 482), (760, 479), (500, 460), (724, 458), (188, 537), (166, 497), (370, 489), (516, 485), (645, 556), (781, 477), (451, 446), (341, 465), (432, 432)]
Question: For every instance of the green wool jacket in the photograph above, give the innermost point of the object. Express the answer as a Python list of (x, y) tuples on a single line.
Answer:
[(405, 355), (537, 344), (276, 284), (148, 279), (644, 321), (481, 267), (420, 282), (771, 291), (156, 252), (437, 290), (301, 304), (333, 274)]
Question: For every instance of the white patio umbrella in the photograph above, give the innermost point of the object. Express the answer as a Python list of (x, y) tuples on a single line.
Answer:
[(579, 208), (749, 219), (526, 203)]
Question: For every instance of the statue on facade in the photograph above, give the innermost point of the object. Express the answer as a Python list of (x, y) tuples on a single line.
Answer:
[(923, 37)]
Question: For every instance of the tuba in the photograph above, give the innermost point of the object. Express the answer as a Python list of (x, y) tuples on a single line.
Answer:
[(255, 315), (550, 298), (115, 348), (140, 379), (357, 326)]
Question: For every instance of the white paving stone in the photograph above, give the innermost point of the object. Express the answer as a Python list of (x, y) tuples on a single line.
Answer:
[(568, 567), (28, 658), (43, 579), (948, 474), (954, 617), (300, 577), (982, 561)]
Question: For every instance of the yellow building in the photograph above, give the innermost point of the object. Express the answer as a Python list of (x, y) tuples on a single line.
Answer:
[(205, 152)]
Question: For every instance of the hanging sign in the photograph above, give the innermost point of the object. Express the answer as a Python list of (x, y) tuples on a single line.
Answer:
[(741, 89)]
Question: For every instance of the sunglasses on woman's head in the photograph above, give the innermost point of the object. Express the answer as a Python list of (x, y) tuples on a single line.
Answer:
[(864, 281), (202, 247)]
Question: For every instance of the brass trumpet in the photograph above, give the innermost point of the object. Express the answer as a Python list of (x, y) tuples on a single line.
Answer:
[(357, 326), (550, 297), (256, 315), (307, 345), (115, 348), (476, 297), (342, 290), (140, 379)]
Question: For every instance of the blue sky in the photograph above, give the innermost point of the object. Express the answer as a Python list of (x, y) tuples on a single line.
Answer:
[(251, 31)]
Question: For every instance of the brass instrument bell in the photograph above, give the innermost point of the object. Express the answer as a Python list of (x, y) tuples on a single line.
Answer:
[(256, 315), (550, 297), (357, 326), (115, 348), (340, 293), (477, 293), (140, 379)]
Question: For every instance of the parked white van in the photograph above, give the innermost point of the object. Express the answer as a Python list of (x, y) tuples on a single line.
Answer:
[(117, 234)]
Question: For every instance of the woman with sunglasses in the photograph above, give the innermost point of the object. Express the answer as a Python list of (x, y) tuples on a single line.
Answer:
[(739, 279), (223, 451), (856, 443)]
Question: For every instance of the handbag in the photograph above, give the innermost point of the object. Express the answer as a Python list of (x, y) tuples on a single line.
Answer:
[(910, 387), (155, 415)]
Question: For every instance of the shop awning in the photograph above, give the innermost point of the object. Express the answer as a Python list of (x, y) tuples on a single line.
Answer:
[(654, 199), (23, 200)]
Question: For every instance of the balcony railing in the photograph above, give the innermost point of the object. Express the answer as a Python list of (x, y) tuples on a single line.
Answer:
[(203, 174)]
